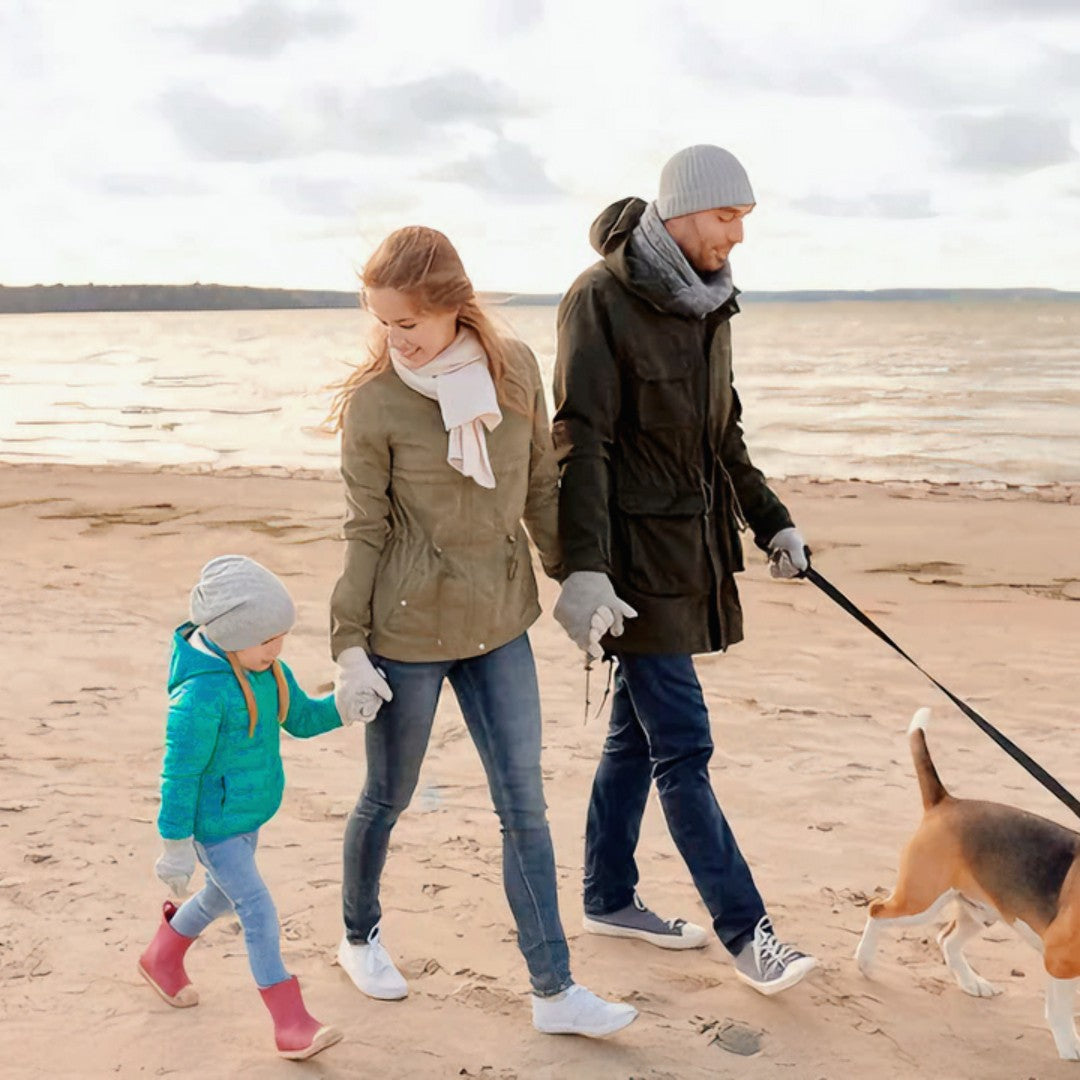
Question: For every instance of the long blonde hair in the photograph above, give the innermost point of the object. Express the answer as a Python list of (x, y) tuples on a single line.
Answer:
[(423, 264)]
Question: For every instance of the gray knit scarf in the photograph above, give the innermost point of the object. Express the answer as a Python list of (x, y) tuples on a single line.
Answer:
[(660, 270)]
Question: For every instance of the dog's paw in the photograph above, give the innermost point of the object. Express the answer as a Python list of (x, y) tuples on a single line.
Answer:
[(977, 986)]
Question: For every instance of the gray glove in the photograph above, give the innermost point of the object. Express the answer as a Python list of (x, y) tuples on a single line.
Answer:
[(787, 554), (588, 608), (360, 688), (176, 864)]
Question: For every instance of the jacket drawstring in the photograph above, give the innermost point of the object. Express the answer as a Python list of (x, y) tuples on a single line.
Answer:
[(610, 661)]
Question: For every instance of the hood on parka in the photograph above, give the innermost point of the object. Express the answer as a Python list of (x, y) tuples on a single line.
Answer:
[(609, 235), (188, 661), (610, 232)]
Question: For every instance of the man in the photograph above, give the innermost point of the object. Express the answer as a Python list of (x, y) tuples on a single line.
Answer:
[(656, 480)]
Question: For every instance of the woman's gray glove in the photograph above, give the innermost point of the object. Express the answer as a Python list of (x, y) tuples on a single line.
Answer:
[(787, 554), (176, 864), (359, 689), (588, 608)]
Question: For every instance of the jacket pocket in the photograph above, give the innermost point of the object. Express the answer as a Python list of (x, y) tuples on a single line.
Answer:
[(661, 548), (662, 384), (408, 596)]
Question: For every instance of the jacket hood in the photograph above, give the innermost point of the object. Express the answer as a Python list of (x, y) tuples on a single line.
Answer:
[(188, 661), (611, 231)]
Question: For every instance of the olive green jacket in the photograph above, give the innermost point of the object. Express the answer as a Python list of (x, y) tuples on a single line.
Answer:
[(437, 567)]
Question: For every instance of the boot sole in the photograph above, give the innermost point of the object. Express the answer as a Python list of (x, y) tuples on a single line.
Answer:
[(184, 998), (595, 1033), (795, 973), (324, 1037), (661, 941)]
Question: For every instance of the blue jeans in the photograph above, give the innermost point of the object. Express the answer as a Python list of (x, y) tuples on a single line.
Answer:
[(500, 701), (233, 884), (660, 731)]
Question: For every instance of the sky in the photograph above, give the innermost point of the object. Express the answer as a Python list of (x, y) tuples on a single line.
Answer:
[(892, 143)]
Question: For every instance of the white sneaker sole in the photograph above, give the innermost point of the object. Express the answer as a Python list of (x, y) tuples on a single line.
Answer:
[(796, 971), (358, 980), (692, 937), (617, 1023)]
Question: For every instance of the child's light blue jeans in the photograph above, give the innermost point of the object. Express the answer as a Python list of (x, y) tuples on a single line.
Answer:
[(233, 884)]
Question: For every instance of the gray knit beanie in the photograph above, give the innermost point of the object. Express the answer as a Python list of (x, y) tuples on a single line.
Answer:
[(702, 177), (240, 604)]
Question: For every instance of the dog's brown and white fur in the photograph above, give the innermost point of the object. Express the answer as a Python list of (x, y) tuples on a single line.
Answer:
[(994, 862)]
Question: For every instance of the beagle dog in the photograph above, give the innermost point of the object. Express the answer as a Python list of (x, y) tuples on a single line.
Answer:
[(993, 862)]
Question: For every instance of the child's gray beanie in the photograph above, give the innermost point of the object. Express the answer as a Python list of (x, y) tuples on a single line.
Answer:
[(702, 177), (240, 604)]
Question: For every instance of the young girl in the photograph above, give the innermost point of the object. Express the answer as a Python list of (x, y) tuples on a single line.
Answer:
[(445, 451), (222, 779)]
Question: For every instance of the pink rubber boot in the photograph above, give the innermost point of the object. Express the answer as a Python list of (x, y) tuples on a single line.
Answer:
[(162, 964), (298, 1034)]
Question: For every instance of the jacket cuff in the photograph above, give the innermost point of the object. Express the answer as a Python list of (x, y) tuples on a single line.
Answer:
[(340, 642)]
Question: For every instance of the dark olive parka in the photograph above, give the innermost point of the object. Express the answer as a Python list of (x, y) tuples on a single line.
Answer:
[(656, 477)]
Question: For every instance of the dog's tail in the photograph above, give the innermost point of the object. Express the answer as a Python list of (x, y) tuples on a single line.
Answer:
[(933, 790)]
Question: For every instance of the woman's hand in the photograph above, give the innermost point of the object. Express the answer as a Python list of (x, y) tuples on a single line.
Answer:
[(360, 688)]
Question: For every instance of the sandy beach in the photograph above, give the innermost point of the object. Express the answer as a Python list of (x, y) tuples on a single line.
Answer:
[(812, 767)]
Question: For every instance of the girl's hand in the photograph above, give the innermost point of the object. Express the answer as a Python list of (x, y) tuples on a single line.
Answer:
[(176, 864)]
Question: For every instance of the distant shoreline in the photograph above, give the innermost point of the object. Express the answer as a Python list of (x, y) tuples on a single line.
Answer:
[(41, 299)]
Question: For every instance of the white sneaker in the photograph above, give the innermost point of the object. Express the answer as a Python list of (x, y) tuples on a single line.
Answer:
[(577, 1011), (371, 969)]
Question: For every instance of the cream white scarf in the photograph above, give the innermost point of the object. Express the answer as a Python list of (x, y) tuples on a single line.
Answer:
[(459, 380)]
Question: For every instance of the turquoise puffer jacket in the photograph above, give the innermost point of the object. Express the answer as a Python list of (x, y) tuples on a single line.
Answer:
[(217, 781)]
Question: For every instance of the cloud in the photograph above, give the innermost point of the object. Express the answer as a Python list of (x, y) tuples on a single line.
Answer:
[(1063, 66), (337, 197), (1021, 7), (406, 118), (881, 204), (267, 27), (510, 168), (216, 130), (148, 185), (318, 196), (725, 62), (1008, 143), (516, 16)]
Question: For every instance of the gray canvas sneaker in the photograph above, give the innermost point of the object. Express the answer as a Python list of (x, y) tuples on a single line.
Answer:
[(767, 964), (637, 921)]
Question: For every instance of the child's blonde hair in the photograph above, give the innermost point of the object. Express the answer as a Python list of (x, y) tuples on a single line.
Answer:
[(424, 265)]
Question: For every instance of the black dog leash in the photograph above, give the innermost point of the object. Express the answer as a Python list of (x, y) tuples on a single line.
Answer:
[(1006, 744)]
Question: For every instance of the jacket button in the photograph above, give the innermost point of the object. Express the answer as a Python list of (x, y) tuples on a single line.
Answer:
[(404, 603), (482, 645)]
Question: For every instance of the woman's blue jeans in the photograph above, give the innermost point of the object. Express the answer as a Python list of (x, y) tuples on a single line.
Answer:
[(659, 731), (500, 702), (233, 883)]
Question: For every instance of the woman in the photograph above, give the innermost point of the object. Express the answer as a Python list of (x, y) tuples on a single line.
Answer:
[(445, 452)]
